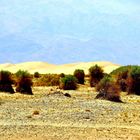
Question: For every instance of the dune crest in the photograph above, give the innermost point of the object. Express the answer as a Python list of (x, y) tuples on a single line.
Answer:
[(44, 67)]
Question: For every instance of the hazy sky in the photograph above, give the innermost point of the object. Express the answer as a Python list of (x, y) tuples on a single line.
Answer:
[(76, 18), (79, 19)]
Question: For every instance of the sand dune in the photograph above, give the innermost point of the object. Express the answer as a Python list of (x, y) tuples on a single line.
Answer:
[(43, 67), (6, 65)]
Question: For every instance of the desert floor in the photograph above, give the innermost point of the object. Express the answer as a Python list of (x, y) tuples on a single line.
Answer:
[(48, 116)]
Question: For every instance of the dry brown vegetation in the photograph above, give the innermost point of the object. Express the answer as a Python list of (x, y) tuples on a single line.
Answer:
[(47, 80), (108, 89)]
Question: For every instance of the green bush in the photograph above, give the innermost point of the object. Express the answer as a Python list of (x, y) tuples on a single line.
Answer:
[(133, 81), (23, 82), (121, 69), (62, 75), (6, 82), (122, 77), (69, 82), (80, 75), (96, 74), (108, 90), (36, 75), (104, 83), (128, 78), (47, 80)]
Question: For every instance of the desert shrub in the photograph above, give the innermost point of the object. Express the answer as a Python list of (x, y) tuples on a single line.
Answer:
[(69, 82), (122, 74), (36, 75), (6, 82), (80, 75), (122, 77), (96, 74), (23, 82), (108, 89), (121, 69), (128, 78), (133, 81), (62, 75), (104, 83), (47, 80)]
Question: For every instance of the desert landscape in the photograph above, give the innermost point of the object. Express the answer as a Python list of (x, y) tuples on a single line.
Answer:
[(69, 70), (49, 114)]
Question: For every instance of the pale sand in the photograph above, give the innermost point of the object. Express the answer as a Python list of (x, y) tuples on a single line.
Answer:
[(61, 118), (44, 68)]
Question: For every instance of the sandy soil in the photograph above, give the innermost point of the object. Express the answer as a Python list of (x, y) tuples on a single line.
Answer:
[(47, 116), (43, 67)]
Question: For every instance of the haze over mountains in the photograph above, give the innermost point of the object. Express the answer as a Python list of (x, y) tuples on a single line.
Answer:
[(59, 31)]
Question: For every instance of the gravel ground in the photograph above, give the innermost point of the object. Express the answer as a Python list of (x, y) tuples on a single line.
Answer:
[(48, 116)]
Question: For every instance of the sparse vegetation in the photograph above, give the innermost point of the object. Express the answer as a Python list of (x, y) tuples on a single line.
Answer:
[(96, 74), (122, 80), (47, 80), (23, 82), (121, 69), (36, 75), (125, 78), (6, 82), (62, 75), (80, 75), (108, 89), (128, 78), (133, 81), (69, 82)]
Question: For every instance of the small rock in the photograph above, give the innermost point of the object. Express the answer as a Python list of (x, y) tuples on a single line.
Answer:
[(87, 110), (67, 95)]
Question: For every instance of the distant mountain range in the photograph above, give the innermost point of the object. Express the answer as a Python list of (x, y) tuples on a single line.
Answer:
[(16, 49)]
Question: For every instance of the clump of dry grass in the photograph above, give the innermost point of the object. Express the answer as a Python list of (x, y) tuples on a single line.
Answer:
[(47, 80), (108, 89)]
